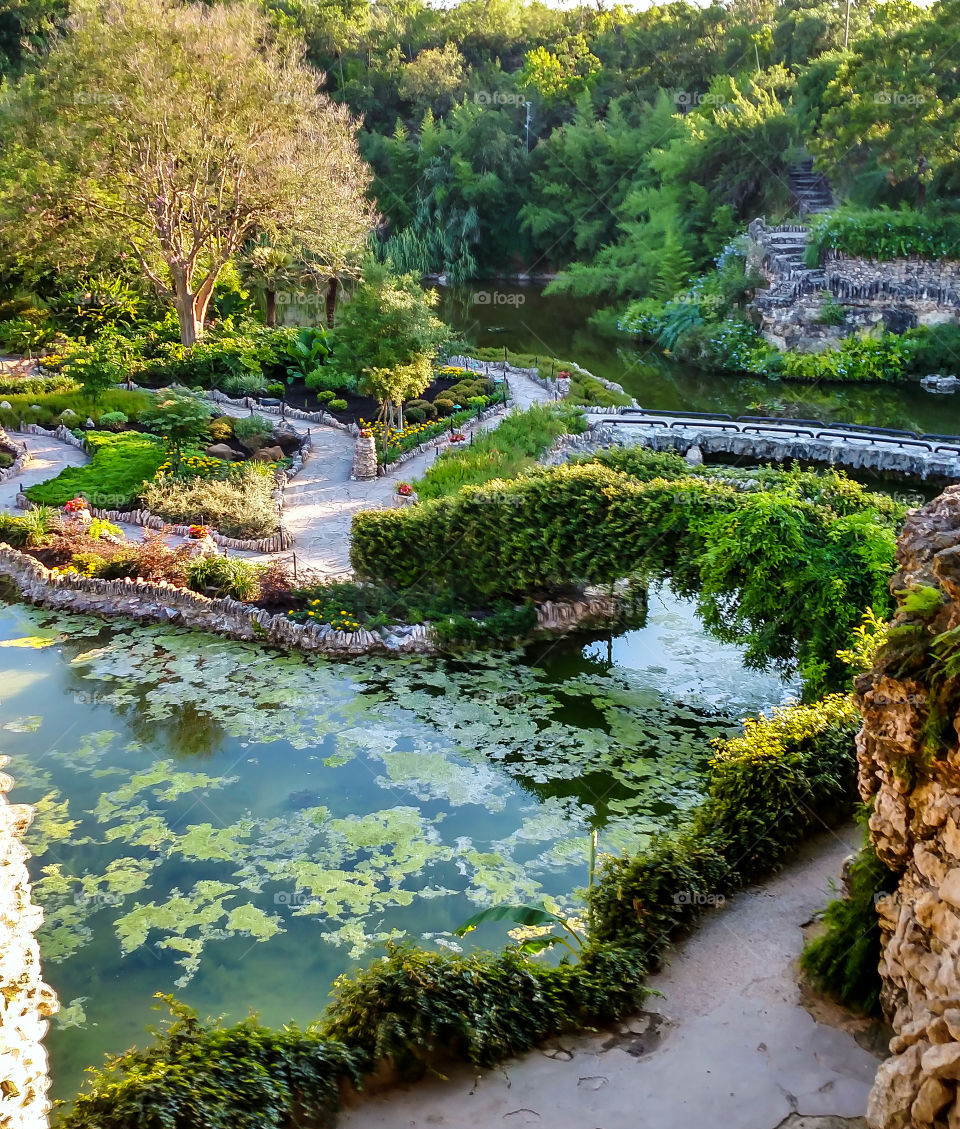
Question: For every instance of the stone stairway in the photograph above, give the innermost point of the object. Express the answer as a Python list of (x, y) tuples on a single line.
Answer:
[(782, 264), (810, 190)]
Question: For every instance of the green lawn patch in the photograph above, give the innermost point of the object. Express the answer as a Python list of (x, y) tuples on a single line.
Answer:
[(113, 478), (507, 451)]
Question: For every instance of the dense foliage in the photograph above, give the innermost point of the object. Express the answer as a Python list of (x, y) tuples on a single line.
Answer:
[(829, 542), (240, 1077)]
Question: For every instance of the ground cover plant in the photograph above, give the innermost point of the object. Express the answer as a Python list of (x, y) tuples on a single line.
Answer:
[(119, 467), (513, 447), (51, 408), (241, 504)]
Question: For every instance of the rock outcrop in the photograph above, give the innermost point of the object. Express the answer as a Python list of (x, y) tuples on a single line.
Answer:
[(909, 764), (25, 1001), (811, 308)]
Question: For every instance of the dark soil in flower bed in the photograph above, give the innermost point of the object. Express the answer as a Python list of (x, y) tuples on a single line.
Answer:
[(358, 407)]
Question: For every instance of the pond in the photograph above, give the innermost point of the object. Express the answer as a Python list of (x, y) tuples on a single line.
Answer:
[(522, 318), (239, 826)]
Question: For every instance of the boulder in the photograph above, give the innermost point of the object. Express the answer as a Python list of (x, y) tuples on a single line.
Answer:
[(221, 451), (267, 455)]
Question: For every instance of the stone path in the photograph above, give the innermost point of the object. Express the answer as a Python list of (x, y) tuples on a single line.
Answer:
[(47, 458), (319, 504), (730, 1044)]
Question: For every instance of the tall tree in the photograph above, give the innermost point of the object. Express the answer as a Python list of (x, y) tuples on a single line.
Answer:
[(182, 131), (894, 103)]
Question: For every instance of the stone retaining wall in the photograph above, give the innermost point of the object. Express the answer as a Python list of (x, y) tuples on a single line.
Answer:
[(25, 1000), (851, 454), (915, 828), (161, 602), (930, 289)]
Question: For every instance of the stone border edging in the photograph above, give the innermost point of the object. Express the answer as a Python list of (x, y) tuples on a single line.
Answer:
[(21, 459), (26, 1000), (162, 602), (321, 417)]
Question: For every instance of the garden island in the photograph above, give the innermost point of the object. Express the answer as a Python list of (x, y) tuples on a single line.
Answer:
[(479, 564)]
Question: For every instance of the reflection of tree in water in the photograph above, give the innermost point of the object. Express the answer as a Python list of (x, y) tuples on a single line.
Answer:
[(188, 733)]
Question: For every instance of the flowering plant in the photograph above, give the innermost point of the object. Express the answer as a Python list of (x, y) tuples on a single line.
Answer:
[(76, 505), (405, 489), (366, 432), (563, 375), (197, 532), (458, 437)]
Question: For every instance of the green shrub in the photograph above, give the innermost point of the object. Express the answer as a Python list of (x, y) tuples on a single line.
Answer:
[(113, 420), (429, 410), (326, 396), (276, 390), (221, 429), (337, 405), (485, 1007), (880, 233), (414, 415), (224, 576), (27, 335), (844, 958), (240, 1077), (238, 385), (239, 506), (6, 460), (444, 406), (252, 426), (113, 479), (13, 531)]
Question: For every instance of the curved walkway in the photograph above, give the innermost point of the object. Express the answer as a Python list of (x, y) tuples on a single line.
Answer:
[(730, 1043), (319, 504)]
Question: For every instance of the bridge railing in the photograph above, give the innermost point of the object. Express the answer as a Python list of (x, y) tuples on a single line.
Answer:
[(814, 428)]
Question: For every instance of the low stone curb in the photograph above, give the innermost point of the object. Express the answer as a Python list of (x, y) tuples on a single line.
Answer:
[(162, 602), (21, 456)]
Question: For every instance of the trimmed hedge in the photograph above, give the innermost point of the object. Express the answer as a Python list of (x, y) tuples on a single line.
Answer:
[(591, 524)]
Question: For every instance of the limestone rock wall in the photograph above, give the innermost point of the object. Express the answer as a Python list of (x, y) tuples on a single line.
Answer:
[(912, 772), (25, 1001)]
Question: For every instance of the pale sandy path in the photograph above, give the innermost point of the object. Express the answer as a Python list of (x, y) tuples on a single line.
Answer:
[(319, 504), (729, 1045)]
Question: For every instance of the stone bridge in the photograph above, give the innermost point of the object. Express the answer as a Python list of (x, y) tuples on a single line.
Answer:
[(760, 439)]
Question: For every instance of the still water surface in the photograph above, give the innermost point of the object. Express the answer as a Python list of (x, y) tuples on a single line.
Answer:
[(239, 826)]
